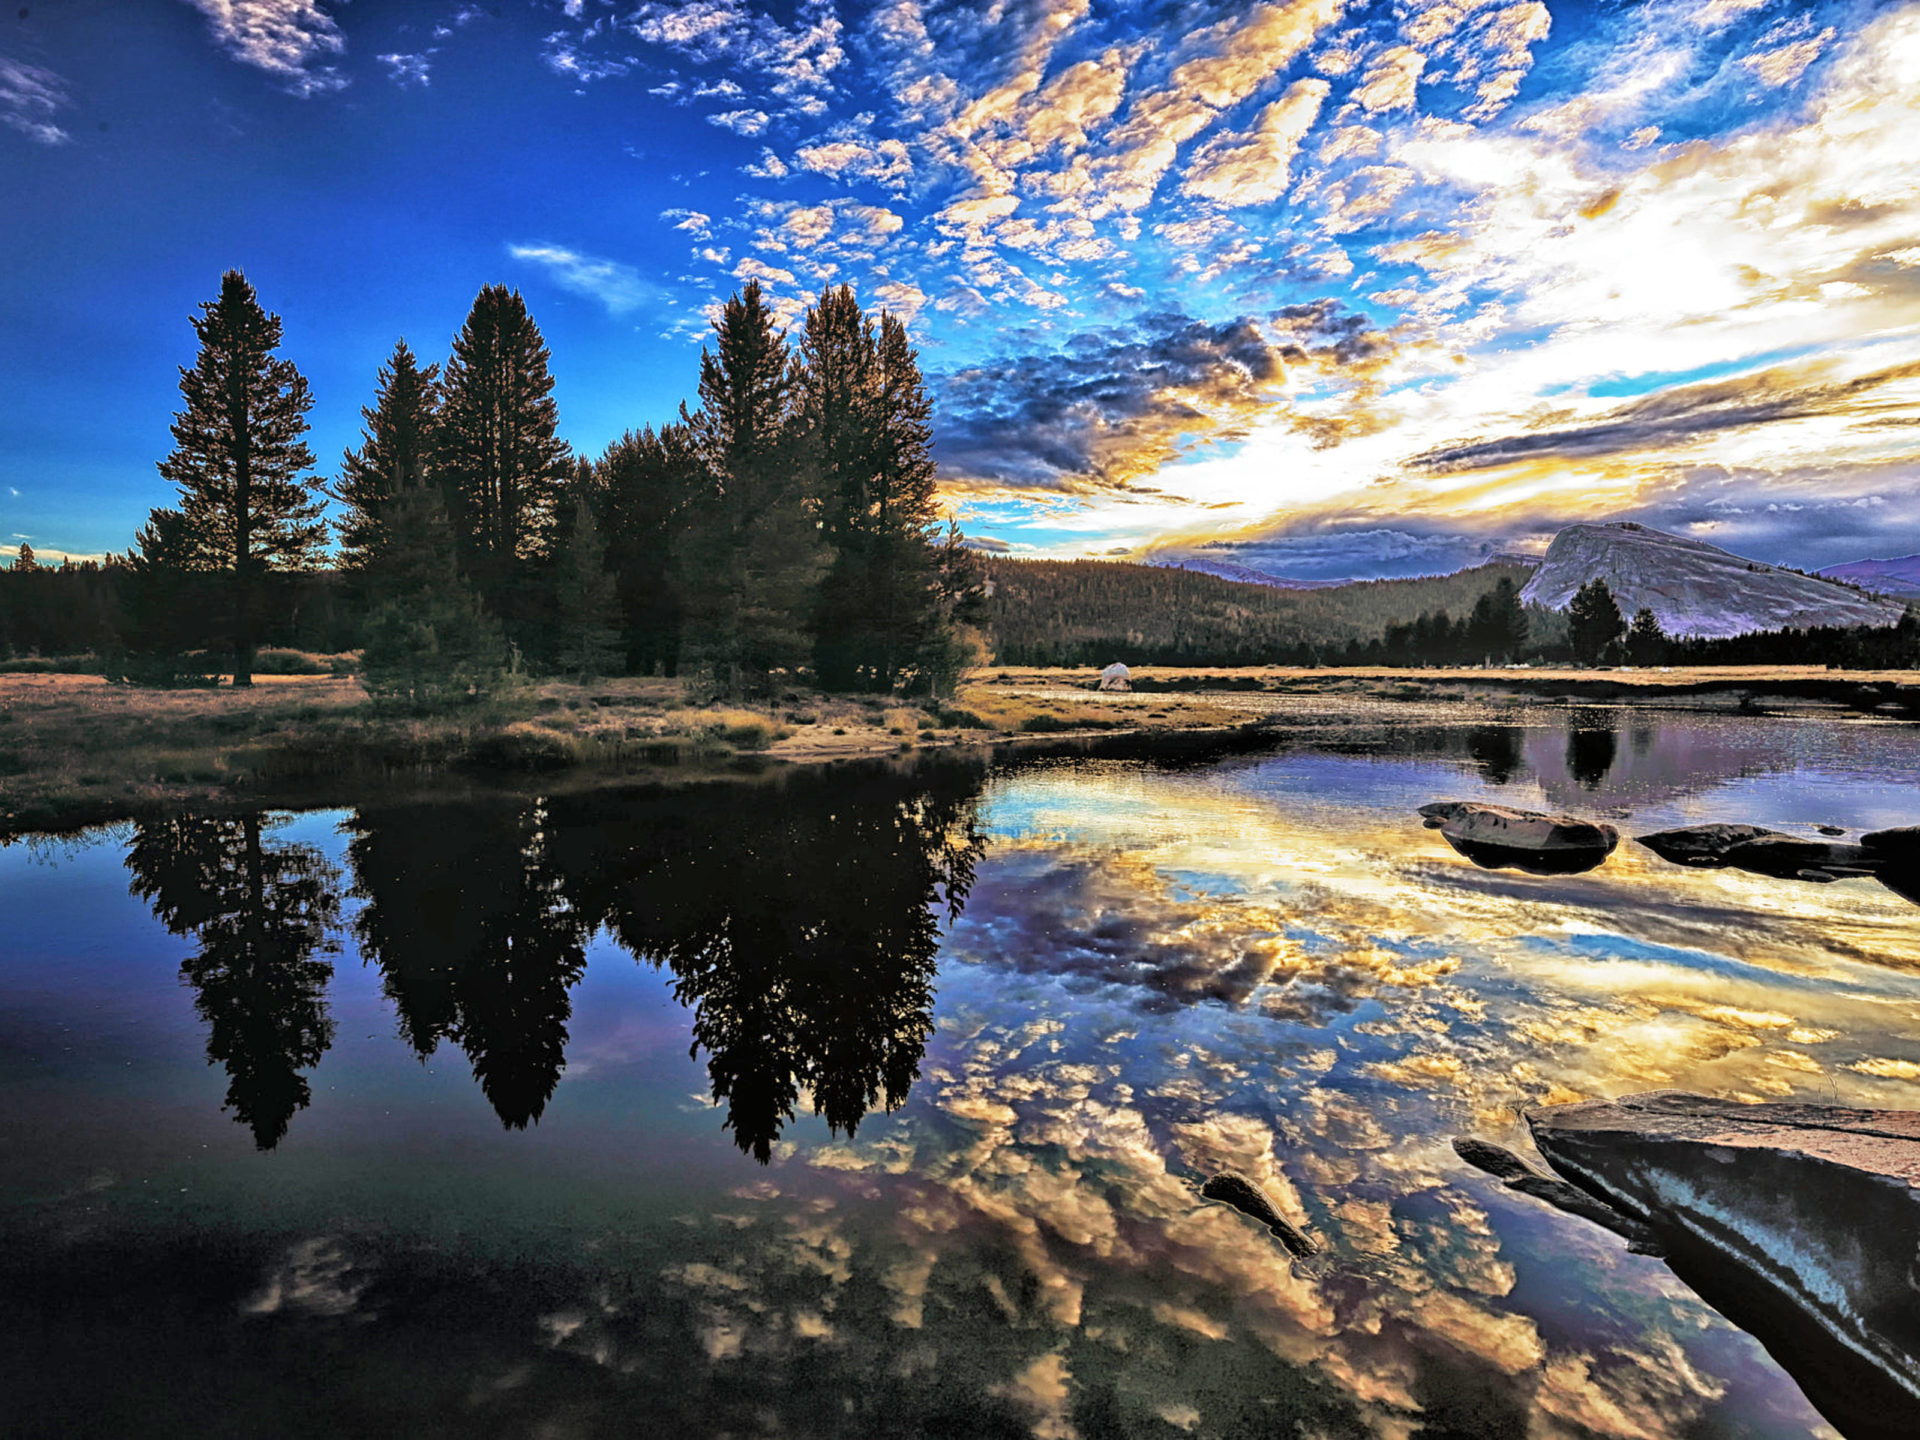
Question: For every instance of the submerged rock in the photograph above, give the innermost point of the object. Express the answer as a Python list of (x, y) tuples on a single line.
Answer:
[(1499, 838), (1890, 856), (1230, 1188), (1801, 1223), (1518, 1175)]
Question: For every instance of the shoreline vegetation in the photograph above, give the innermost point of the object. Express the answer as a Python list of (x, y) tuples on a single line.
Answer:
[(76, 751)]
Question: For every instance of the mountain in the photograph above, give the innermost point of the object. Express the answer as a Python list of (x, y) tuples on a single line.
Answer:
[(1693, 587), (1889, 577), (1242, 574)]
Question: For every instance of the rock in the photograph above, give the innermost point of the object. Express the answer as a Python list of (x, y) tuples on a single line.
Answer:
[(1497, 837), (1115, 677), (1788, 855), (1705, 845), (1250, 1200), (1801, 1223), (1694, 588), (1903, 841), (1516, 1174), (1830, 829)]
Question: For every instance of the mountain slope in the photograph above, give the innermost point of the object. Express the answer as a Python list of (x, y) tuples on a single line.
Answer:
[(1243, 574), (1693, 587), (1889, 577)]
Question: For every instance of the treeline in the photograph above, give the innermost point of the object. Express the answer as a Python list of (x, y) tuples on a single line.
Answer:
[(1092, 612), (789, 521)]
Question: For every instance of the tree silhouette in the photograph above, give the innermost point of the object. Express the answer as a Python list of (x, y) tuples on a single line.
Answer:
[(755, 553), (650, 484), (1646, 641), (467, 918), (246, 505), (500, 456), (24, 559), (1593, 621), (395, 454), (262, 914)]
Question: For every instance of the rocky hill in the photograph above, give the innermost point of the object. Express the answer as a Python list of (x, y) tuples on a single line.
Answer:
[(1889, 577), (1693, 587), (1242, 574)]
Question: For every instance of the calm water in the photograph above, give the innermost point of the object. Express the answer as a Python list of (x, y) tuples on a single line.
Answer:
[(869, 1106)]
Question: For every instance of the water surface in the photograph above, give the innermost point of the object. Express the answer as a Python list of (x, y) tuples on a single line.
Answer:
[(863, 1104)]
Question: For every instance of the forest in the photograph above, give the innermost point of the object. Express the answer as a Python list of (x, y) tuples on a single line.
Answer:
[(789, 520)]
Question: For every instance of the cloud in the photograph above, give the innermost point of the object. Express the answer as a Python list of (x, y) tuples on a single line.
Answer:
[(741, 122), (1235, 170), (885, 162), (282, 37), (405, 70), (754, 269), (693, 222), (30, 97), (1391, 81), (1684, 414), (1786, 63), (616, 286), (1112, 410)]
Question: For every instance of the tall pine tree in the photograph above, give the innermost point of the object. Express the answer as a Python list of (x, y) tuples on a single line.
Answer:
[(500, 458), (246, 503), (395, 451), (756, 552), (650, 485)]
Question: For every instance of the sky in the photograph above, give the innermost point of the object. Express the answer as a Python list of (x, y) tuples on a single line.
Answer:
[(1326, 289)]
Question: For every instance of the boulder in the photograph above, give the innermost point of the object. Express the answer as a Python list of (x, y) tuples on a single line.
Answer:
[(1800, 1223), (1232, 1188), (1903, 842), (1705, 845), (1115, 677), (1497, 837)]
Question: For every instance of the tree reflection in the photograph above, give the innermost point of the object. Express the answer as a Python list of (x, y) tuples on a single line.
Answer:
[(1592, 745), (804, 936), (800, 923), (467, 917), (262, 915)]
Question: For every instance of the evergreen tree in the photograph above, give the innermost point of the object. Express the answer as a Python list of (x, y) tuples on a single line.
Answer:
[(239, 459), (651, 485), (396, 450), (756, 552), (24, 560), (500, 458), (429, 642), (589, 619), (1646, 641), (1497, 629), (1593, 621)]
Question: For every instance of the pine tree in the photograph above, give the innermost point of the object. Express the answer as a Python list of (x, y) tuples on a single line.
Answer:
[(651, 487), (500, 457), (396, 450), (837, 414), (1497, 629), (917, 585), (1593, 621), (756, 552), (589, 619), (239, 459), (1646, 641), (429, 642), (24, 560)]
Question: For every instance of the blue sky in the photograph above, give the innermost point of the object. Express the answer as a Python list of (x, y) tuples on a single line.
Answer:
[(1327, 288)]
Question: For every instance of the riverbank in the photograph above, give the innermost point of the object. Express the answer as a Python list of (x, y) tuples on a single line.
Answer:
[(75, 750)]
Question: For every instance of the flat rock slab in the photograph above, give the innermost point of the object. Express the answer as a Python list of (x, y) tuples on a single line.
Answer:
[(1800, 1222)]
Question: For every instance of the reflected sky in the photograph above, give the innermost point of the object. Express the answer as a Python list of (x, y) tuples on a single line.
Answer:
[(863, 1106)]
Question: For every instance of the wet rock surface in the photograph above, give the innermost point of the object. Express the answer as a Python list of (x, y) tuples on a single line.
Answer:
[(1497, 837), (1232, 1188), (1800, 1223), (1516, 1174), (1889, 856)]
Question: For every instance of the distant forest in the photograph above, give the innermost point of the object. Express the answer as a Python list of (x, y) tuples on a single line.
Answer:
[(1093, 612)]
